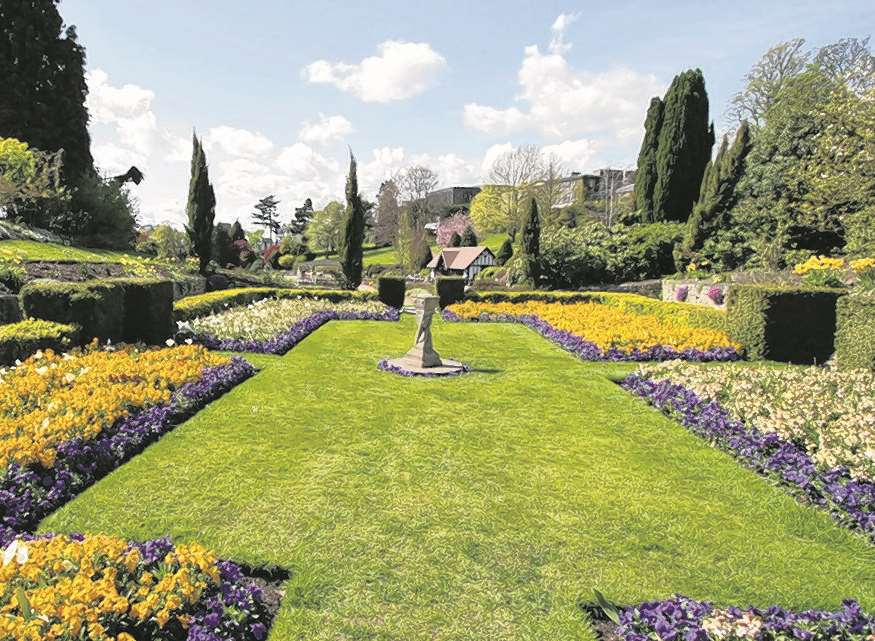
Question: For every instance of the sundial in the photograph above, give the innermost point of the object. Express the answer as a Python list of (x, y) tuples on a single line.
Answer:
[(422, 359)]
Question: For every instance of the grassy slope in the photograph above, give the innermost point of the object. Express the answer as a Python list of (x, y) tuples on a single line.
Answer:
[(30, 250), (388, 256), (483, 507)]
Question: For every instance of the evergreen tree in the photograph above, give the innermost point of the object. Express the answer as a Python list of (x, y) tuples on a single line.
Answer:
[(302, 217), (531, 245), (455, 240), (43, 97), (645, 177), (421, 250), (505, 253), (201, 207), (237, 232), (469, 238), (404, 239), (223, 250), (354, 230), (717, 195), (266, 215), (684, 147)]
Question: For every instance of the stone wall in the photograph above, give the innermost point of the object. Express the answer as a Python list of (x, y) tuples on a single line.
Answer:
[(695, 292)]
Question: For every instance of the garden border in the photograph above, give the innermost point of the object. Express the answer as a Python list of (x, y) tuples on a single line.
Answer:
[(851, 502), (587, 351)]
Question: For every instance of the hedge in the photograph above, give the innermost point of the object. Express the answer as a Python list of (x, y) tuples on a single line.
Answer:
[(391, 291), (20, 340), (783, 323), (96, 307), (855, 331), (129, 309), (450, 290), (213, 302)]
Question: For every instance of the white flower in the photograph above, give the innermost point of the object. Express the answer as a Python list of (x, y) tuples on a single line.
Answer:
[(170, 342), (17, 551)]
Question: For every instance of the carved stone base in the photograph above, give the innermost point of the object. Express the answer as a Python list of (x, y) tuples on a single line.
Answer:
[(446, 368)]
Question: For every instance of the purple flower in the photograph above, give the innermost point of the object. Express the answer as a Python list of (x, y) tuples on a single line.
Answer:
[(680, 294), (716, 295)]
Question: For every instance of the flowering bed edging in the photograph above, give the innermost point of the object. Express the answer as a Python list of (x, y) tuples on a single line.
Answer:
[(386, 366), (282, 343), (681, 618), (29, 493), (850, 501), (587, 351)]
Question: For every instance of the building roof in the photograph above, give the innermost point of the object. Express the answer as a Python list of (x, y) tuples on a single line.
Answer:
[(458, 257)]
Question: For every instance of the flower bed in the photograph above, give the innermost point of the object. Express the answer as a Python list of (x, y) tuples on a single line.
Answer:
[(67, 420), (103, 588), (850, 500), (601, 331), (386, 366), (684, 619), (275, 326)]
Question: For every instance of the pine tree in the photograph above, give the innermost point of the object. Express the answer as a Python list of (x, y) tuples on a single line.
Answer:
[(237, 232), (645, 177), (201, 207), (43, 98), (531, 245), (354, 230), (469, 238), (684, 147), (302, 217), (717, 195), (455, 240), (266, 215), (505, 252)]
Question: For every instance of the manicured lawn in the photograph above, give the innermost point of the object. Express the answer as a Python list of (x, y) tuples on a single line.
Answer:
[(482, 507), (31, 250), (388, 256)]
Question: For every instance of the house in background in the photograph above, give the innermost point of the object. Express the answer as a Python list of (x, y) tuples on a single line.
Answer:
[(466, 262), (451, 198)]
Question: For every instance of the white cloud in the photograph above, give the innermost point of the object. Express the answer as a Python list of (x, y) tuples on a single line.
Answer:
[(561, 101), (401, 70), (326, 129), (237, 142), (562, 22)]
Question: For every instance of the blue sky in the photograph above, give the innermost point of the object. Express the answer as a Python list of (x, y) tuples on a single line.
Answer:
[(279, 89)]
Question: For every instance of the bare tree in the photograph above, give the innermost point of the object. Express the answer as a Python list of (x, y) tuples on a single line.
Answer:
[(388, 212), (765, 81), (518, 171), (550, 193), (416, 184), (850, 62)]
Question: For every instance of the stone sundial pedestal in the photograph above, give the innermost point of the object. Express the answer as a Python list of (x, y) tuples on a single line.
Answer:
[(422, 359)]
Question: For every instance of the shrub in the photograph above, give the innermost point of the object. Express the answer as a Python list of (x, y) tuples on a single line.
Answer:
[(287, 261), (855, 331), (20, 340), (101, 214), (391, 291), (148, 305), (783, 323), (450, 290), (12, 275), (96, 307), (212, 302)]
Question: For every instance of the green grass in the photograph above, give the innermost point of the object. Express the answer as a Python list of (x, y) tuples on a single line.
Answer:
[(388, 255), (482, 507), (30, 250)]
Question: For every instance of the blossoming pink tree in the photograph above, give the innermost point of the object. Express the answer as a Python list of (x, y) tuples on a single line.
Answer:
[(455, 224)]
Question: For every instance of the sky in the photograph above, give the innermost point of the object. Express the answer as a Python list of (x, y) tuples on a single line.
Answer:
[(280, 91)]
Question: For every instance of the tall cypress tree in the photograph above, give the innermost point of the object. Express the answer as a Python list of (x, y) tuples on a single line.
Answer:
[(353, 231), (531, 245), (43, 97), (645, 177), (684, 147), (201, 207), (717, 195)]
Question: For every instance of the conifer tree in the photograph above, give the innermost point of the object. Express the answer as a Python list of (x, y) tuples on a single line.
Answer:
[(505, 252), (684, 147), (531, 245), (353, 236), (645, 177), (201, 207), (455, 240)]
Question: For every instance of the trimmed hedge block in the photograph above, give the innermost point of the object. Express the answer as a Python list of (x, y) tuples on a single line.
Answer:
[(391, 291), (97, 307), (148, 308), (450, 290), (781, 323), (855, 331), (20, 340)]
